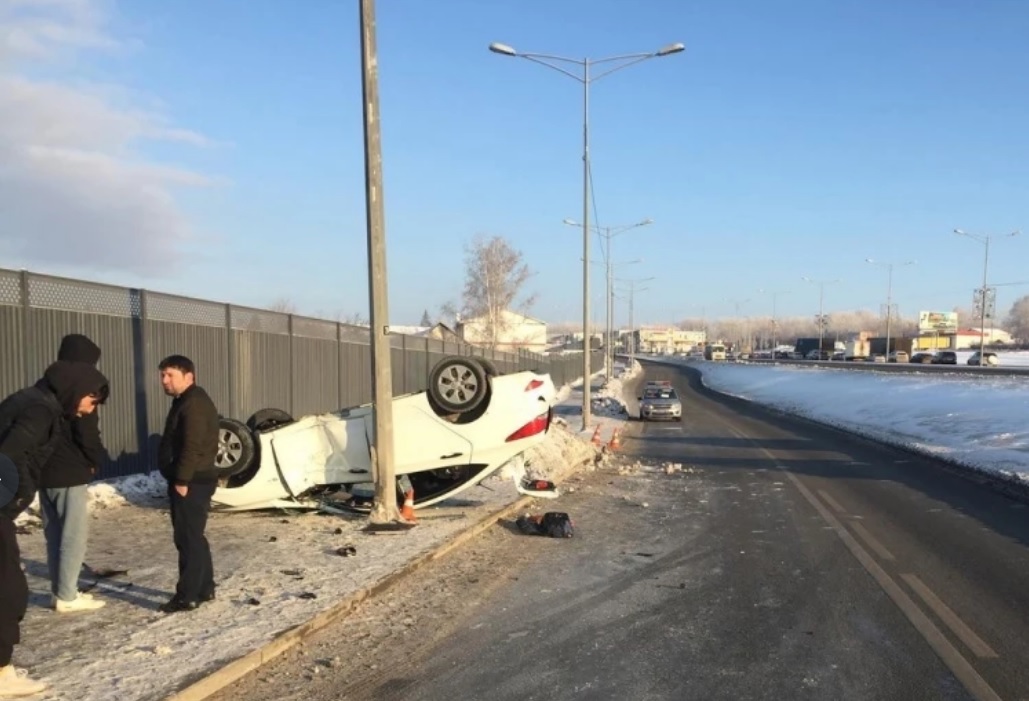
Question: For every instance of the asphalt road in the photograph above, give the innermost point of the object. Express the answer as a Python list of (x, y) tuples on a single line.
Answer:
[(785, 561)]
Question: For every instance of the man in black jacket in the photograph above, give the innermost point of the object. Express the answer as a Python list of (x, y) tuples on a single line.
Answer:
[(63, 492), (186, 458), (32, 422)]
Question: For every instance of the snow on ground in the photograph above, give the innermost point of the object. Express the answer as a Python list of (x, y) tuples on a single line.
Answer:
[(274, 570), (976, 420)]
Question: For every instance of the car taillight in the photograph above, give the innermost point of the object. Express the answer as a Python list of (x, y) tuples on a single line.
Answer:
[(533, 385), (534, 427)]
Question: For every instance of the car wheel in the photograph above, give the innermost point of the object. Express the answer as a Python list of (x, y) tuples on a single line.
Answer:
[(267, 419), (458, 384), (236, 448)]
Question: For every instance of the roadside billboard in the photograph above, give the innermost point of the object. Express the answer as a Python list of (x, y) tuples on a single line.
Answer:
[(938, 322)]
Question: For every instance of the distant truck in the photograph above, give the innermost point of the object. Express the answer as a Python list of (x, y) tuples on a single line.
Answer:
[(878, 345), (803, 346), (714, 351), (857, 349)]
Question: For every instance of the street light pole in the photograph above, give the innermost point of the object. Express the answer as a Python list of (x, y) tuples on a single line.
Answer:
[(632, 314), (775, 294), (607, 233), (889, 294), (586, 79), (384, 510), (985, 239), (821, 317)]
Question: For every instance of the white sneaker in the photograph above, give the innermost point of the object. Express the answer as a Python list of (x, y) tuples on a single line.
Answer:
[(82, 602), (16, 683)]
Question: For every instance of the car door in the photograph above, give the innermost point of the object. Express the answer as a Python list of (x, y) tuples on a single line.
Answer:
[(422, 440), (319, 450)]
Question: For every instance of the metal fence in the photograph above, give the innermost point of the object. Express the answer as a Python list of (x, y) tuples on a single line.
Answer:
[(247, 359)]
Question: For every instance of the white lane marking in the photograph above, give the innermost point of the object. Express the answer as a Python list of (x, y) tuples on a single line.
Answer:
[(832, 502)]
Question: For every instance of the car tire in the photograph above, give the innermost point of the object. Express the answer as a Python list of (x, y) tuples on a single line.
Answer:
[(489, 367), (267, 419), (458, 384), (236, 448)]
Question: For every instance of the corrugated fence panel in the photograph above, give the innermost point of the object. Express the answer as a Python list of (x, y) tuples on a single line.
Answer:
[(261, 370), (13, 351), (315, 376), (414, 364), (123, 418), (356, 366)]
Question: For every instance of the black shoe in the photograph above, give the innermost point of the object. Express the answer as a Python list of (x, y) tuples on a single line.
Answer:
[(176, 604), (204, 598)]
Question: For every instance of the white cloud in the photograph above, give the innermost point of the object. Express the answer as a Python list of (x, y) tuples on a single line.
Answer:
[(74, 189)]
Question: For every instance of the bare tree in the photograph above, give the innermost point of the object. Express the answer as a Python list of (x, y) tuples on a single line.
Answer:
[(494, 277), (426, 319), (283, 305), (1017, 321)]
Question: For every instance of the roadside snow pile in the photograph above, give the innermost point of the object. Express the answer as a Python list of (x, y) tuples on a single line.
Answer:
[(609, 399), (561, 451), (143, 490)]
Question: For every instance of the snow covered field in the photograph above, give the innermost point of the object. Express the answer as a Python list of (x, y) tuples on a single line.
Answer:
[(274, 570), (971, 419)]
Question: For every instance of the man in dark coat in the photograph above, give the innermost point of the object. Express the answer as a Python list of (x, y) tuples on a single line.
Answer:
[(189, 446), (32, 422), (63, 492)]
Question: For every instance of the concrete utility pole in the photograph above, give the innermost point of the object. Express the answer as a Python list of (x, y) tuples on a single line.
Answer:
[(775, 294), (385, 509), (889, 295), (821, 317)]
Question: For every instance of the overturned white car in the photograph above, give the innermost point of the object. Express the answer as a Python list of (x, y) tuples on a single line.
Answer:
[(469, 423)]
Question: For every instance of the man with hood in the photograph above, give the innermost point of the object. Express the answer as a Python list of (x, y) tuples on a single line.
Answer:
[(32, 422), (63, 492)]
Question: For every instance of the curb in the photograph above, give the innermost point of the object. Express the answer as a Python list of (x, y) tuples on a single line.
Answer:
[(235, 670)]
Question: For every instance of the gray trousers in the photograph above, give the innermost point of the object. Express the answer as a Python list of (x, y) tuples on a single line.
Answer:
[(66, 527)]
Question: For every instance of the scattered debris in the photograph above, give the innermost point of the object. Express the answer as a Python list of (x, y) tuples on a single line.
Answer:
[(538, 488), (307, 595), (555, 524), (346, 551)]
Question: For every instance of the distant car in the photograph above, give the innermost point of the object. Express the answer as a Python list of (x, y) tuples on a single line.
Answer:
[(991, 359), (898, 356), (923, 358), (470, 422), (660, 403), (945, 358)]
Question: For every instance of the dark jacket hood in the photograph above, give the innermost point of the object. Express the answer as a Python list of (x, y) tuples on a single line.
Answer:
[(78, 348), (71, 381)]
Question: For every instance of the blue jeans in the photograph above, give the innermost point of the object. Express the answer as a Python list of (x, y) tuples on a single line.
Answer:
[(66, 527)]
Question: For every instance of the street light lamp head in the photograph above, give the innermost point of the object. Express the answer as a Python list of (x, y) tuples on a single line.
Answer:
[(671, 49), (503, 49), (571, 222)]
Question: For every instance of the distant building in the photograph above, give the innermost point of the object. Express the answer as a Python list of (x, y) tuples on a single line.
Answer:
[(667, 339), (515, 332), (439, 332)]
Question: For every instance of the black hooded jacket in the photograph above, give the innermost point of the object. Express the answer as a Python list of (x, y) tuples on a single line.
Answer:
[(34, 420), (73, 461)]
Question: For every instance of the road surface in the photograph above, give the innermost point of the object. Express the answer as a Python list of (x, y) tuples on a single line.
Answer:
[(784, 561)]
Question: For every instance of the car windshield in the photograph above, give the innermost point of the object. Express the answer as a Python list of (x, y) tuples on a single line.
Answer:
[(659, 394)]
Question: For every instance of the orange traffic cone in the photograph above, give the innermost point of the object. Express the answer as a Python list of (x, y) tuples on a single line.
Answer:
[(407, 512), (596, 436), (614, 444)]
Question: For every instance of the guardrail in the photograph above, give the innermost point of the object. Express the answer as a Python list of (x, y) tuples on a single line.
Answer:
[(861, 366)]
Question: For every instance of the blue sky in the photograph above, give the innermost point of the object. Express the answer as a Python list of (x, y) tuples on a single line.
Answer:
[(790, 139)]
